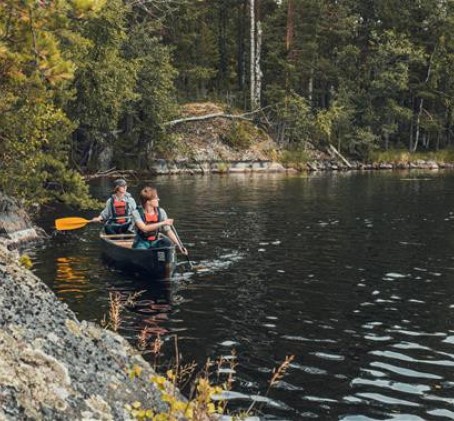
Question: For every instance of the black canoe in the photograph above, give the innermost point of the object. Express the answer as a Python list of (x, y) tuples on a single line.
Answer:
[(155, 263)]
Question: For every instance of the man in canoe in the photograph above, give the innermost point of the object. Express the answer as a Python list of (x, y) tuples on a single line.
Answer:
[(150, 220), (118, 210)]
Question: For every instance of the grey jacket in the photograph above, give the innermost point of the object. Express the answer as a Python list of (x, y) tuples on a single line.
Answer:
[(107, 215)]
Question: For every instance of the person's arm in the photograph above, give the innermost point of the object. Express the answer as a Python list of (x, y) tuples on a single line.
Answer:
[(149, 227), (153, 227), (174, 239), (132, 204), (171, 234), (105, 214)]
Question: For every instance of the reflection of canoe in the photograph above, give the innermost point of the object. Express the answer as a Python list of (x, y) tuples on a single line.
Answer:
[(156, 263)]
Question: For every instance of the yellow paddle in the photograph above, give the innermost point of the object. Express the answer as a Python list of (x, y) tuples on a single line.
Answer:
[(70, 223)]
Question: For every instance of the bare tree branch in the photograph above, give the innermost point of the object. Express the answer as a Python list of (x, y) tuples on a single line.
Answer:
[(208, 117)]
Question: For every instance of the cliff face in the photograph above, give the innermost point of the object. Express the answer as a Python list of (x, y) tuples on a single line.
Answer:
[(52, 366)]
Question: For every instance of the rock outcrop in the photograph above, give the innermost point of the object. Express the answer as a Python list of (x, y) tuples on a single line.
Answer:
[(16, 227), (53, 367)]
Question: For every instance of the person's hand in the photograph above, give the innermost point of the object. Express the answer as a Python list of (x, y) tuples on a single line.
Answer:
[(96, 219), (183, 250), (168, 222)]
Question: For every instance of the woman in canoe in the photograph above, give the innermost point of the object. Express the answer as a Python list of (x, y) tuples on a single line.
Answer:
[(150, 220), (117, 213)]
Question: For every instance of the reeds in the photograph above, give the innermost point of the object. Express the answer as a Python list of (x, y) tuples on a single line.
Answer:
[(115, 309), (205, 397), (279, 372)]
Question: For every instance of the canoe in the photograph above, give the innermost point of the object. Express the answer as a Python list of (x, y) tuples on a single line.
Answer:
[(155, 263)]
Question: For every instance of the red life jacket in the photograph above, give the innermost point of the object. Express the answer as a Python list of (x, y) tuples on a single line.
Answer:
[(149, 219), (119, 208)]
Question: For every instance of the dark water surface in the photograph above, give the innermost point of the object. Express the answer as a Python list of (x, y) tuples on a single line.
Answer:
[(351, 273)]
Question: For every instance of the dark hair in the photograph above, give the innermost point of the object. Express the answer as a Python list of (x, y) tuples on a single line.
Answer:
[(146, 194), (119, 182)]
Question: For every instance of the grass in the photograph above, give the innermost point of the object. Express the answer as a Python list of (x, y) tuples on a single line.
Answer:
[(297, 158), (402, 155)]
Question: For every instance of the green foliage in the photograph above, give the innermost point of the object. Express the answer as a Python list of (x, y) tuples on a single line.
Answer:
[(399, 155), (298, 119), (34, 79), (154, 103), (295, 158), (240, 135), (191, 30), (361, 142), (222, 167), (91, 83), (104, 83)]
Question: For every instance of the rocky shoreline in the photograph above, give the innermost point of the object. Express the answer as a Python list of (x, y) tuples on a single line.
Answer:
[(52, 366), (185, 166)]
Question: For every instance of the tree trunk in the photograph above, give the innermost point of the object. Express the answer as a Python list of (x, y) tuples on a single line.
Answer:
[(418, 121), (289, 39), (421, 102), (222, 45), (290, 26), (241, 52), (252, 52), (258, 71)]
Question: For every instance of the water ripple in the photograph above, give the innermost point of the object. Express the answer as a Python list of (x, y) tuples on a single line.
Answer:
[(405, 371), (404, 357)]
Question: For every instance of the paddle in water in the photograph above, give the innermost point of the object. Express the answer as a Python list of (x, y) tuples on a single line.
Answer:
[(182, 246)]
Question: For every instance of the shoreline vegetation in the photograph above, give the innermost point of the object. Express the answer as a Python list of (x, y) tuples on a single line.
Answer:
[(175, 167), (95, 84)]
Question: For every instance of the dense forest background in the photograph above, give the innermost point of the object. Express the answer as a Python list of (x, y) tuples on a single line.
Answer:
[(89, 80)]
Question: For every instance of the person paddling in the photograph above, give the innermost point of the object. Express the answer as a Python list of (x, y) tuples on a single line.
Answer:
[(118, 210), (151, 220)]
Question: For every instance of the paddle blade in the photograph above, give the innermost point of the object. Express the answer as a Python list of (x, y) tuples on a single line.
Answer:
[(71, 223), (189, 262)]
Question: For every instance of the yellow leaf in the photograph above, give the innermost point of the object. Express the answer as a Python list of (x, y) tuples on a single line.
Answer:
[(211, 409)]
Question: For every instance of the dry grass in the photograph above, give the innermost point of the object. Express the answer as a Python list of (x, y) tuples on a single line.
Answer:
[(115, 311), (193, 109)]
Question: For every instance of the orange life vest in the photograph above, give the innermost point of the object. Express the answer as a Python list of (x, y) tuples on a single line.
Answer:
[(119, 208), (149, 219)]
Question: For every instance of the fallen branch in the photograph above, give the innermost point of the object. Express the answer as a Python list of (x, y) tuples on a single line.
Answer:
[(113, 172), (208, 117), (337, 153)]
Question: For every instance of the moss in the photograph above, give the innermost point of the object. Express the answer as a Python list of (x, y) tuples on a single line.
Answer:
[(25, 261)]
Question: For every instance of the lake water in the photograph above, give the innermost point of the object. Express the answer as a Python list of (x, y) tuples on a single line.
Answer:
[(352, 273)]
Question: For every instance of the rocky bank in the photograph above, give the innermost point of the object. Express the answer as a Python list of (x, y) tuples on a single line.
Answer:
[(209, 143), (52, 366)]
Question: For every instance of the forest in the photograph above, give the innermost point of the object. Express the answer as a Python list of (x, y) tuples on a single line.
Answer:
[(84, 80)]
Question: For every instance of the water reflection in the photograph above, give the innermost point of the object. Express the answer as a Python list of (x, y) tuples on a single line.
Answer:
[(71, 276)]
